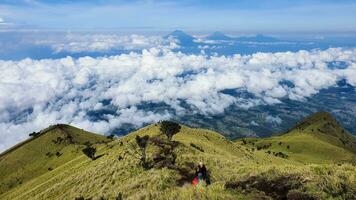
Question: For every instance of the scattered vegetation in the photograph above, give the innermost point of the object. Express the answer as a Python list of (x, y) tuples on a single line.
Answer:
[(280, 154), (316, 166), (164, 155), (277, 188)]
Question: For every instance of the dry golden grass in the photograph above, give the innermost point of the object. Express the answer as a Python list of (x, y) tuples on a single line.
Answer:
[(226, 161)]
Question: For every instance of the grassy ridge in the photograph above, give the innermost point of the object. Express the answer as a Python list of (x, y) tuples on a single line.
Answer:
[(316, 139), (48, 150), (318, 166)]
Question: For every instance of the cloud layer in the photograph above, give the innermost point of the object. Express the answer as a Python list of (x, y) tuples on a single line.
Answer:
[(76, 43), (37, 93)]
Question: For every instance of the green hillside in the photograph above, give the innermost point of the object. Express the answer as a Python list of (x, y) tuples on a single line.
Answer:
[(237, 169), (317, 139), (47, 150)]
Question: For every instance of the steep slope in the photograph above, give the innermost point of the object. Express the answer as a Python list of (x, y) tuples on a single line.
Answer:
[(316, 139), (236, 172), (119, 170), (45, 151)]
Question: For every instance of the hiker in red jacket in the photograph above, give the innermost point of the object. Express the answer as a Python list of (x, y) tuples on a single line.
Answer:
[(201, 174)]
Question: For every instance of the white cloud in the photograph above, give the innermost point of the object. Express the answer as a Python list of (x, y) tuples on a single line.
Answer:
[(253, 123), (273, 120), (77, 42), (3, 22), (37, 93)]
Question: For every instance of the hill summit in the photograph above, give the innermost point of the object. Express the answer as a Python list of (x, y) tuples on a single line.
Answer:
[(43, 152), (324, 125), (318, 138), (159, 162)]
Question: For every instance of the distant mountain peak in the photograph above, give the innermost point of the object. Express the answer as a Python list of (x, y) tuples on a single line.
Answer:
[(218, 36), (257, 38), (183, 37), (179, 33)]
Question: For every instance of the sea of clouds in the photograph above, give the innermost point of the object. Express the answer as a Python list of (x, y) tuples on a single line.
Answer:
[(76, 43), (37, 93)]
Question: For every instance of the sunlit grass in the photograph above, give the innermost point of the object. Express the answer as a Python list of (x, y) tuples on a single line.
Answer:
[(108, 176)]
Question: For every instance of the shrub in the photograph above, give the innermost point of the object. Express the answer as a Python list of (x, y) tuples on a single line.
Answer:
[(119, 196), (164, 156), (169, 128), (281, 154), (70, 139), (90, 152), (110, 137), (49, 154), (264, 146), (120, 158), (197, 147), (275, 187), (142, 142), (34, 134), (297, 195)]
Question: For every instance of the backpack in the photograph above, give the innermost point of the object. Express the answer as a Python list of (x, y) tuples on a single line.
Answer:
[(195, 181)]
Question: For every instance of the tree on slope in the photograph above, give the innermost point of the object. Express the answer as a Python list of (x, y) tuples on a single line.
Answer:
[(169, 128)]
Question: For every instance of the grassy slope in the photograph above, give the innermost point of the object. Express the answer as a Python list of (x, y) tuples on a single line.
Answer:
[(35, 157), (226, 161), (316, 139)]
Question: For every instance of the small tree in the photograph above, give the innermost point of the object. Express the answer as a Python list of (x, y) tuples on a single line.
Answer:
[(34, 134), (90, 152), (169, 128), (142, 142)]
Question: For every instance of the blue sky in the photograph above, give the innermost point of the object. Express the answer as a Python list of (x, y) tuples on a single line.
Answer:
[(194, 15)]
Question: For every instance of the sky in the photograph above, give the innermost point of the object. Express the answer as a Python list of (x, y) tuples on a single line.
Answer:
[(166, 15)]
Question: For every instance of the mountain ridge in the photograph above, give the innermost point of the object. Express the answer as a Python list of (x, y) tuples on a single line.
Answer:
[(318, 138), (187, 39), (35, 135), (218, 36), (117, 170)]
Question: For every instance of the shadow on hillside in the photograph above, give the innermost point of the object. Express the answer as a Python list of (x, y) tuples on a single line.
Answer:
[(279, 188), (166, 157)]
